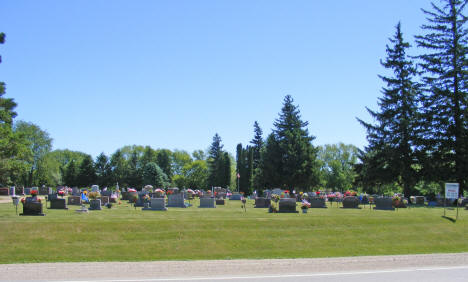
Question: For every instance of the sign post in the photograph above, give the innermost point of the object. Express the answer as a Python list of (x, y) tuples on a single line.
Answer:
[(451, 192)]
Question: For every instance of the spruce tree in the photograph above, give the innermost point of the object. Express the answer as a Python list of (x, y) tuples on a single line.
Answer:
[(257, 144), (86, 172), (390, 155), (216, 164), (290, 159), (445, 70)]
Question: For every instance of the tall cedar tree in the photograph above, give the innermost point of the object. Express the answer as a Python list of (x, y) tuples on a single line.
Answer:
[(289, 153), (445, 99), (257, 144), (244, 168), (218, 171), (390, 155), (86, 172)]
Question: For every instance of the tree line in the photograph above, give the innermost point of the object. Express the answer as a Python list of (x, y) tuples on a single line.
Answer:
[(420, 133), (417, 139)]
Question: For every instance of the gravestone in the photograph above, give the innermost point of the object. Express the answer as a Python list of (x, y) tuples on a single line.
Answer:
[(419, 200), (220, 202), (83, 209), (140, 202), (104, 200), (262, 203), (157, 204), (45, 191), (27, 191), (317, 203), (95, 204), (95, 188), (32, 207), (287, 205), (176, 201), (401, 204), (12, 191), (74, 200), (4, 191), (113, 198), (131, 196), (76, 192), (19, 190), (51, 197), (221, 195), (59, 204), (236, 197), (207, 203), (124, 195), (365, 200), (383, 204), (107, 193), (350, 203)]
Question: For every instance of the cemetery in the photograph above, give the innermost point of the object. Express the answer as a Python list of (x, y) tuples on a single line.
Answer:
[(151, 224)]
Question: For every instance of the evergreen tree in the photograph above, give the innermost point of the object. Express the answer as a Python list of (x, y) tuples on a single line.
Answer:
[(290, 159), (134, 171), (103, 171), (216, 164), (244, 168), (163, 159), (86, 172), (445, 81), (118, 168), (71, 174), (154, 175), (226, 168), (257, 144), (390, 154)]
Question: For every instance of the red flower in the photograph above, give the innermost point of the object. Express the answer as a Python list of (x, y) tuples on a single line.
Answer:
[(317, 193), (34, 192)]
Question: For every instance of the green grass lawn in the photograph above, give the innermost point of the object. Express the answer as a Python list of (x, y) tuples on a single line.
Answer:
[(124, 233)]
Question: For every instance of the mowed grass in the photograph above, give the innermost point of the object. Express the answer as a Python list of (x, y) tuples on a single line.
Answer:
[(124, 233)]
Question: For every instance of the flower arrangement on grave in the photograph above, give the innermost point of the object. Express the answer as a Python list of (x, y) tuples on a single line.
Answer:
[(305, 205), (93, 195), (317, 193), (61, 193), (304, 195), (275, 198), (170, 192), (159, 192), (146, 198), (331, 197), (34, 193), (396, 200), (23, 200)]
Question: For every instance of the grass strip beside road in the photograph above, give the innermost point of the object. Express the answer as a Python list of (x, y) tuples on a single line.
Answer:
[(226, 232)]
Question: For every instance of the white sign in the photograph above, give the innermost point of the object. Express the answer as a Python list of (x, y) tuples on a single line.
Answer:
[(451, 190)]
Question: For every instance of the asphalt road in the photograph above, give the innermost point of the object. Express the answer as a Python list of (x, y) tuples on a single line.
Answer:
[(433, 267)]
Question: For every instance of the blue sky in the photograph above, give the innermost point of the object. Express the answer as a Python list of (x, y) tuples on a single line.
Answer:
[(98, 75)]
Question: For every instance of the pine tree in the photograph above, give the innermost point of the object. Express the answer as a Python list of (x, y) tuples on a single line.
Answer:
[(445, 80), (390, 154), (102, 167), (216, 164), (86, 172), (257, 144), (290, 159)]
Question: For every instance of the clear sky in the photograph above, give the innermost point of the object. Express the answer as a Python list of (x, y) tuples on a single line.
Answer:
[(98, 75)]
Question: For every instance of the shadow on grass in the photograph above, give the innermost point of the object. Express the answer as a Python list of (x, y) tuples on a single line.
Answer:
[(450, 218)]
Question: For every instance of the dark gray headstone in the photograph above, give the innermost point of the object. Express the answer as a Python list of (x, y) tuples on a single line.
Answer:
[(317, 203), (157, 204), (176, 200), (104, 200), (19, 190), (32, 208), (76, 192), (124, 196), (350, 203), (262, 203), (95, 204), (45, 190), (207, 203), (51, 197), (287, 205), (235, 197), (419, 200), (59, 204), (5, 191), (107, 193), (220, 202), (74, 200), (383, 204)]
